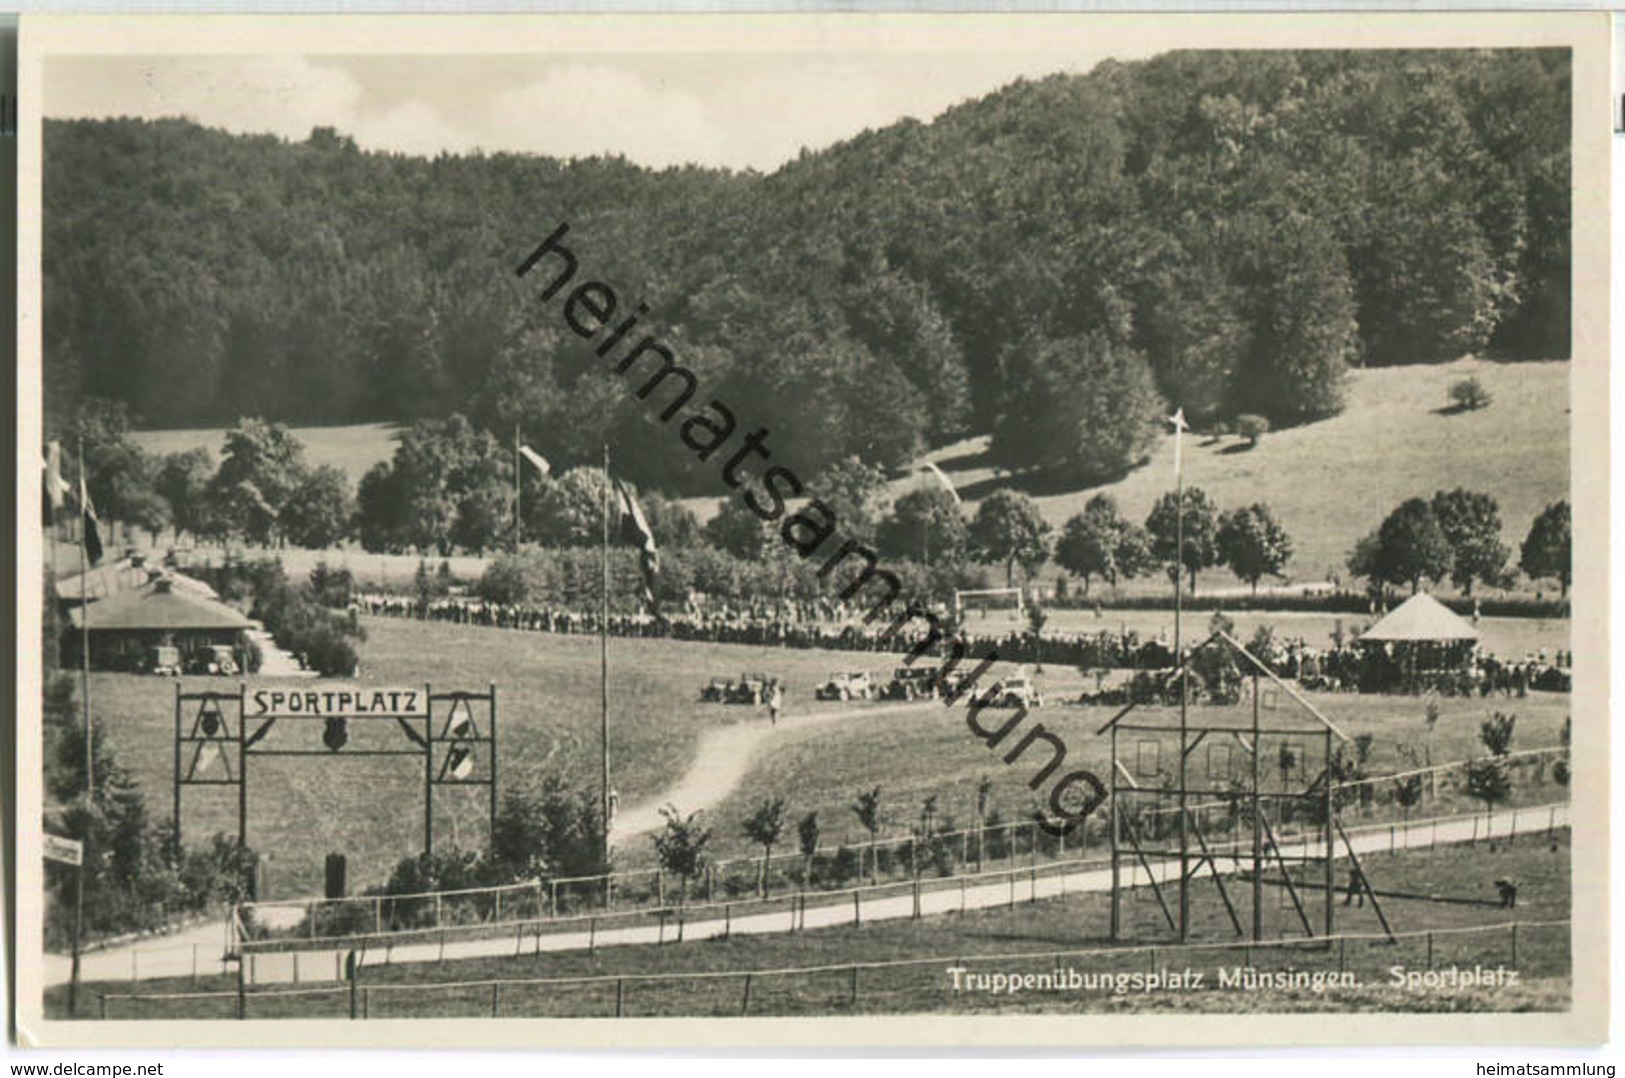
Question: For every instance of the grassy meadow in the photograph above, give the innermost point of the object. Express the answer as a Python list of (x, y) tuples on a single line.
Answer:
[(1027, 937), (548, 714), (371, 808), (1331, 482), (352, 449)]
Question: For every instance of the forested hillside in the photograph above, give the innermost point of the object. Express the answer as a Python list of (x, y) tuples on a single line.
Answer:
[(1052, 264)]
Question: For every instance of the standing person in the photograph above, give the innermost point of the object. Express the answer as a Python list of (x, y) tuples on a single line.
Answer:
[(1356, 886), (775, 700)]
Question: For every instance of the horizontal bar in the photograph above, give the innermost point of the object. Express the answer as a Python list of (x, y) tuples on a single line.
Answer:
[(336, 752)]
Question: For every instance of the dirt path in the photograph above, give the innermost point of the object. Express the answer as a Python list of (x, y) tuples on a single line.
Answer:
[(724, 757)]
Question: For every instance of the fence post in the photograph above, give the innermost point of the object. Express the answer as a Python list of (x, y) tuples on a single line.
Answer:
[(857, 907), (1032, 881), (961, 894), (1512, 831), (366, 1003), (1153, 960), (1551, 820), (728, 919), (660, 886), (496, 998), (681, 918), (310, 917), (498, 914), (101, 1004), (744, 1004), (1433, 840), (1341, 941), (1391, 838), (350, 975), (592, 935), (854, 999), (620, 996), (296, 963), (916, 898), (1474, 840), (1430, 950), (1514, 943), (378, 914), (134, 968), (242, 990), (194, 965), (1012, 878), (437, 909)]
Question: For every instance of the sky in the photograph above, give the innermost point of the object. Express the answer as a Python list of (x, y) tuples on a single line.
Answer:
[(657, 109)]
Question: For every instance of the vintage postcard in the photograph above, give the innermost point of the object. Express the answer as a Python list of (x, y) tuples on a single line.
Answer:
[(974, 530)]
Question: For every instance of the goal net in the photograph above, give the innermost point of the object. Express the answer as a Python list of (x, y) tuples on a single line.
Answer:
[(986, 602)]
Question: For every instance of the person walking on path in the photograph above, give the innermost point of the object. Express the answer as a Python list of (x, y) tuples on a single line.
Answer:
[(775, 701)]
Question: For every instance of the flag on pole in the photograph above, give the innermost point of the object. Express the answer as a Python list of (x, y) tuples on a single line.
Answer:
[(636, 531), (537, 460), (92, 538), (56, 488), (1180, 426)]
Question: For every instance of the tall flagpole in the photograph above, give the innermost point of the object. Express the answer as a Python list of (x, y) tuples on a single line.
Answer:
[(603, 663), (1184, 678)]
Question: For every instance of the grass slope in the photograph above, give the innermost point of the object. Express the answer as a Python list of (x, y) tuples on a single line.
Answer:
[(352, 449), (1331, 482)]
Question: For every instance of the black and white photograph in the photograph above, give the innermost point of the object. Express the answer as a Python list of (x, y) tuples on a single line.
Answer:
[(964, 529)]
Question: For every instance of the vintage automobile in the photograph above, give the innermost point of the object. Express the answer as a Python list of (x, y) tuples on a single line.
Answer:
[(911, 683), (216, 659), (164, 661), (1017, 690), (749, 689), (845, 686)]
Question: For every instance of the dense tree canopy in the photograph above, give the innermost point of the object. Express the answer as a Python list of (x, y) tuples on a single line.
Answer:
[(1226, 229)]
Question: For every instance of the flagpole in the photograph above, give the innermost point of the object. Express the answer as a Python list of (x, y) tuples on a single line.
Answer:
[(518, 516), (603, 664), (1184, 679), (90, 757)]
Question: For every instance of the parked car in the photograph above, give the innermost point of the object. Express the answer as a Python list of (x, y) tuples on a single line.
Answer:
[(911, 683), (216, 659), (749, 689), (845, 686), (164, 661), (1017, 690)]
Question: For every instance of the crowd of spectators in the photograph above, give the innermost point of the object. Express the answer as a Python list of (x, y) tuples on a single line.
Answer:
[(830, 625)]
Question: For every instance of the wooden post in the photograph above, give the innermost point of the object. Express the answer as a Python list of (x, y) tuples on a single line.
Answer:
[(857, 908), (620, 996), (350, 972), (854, 989), (1430, 950), (496, 999), (592, 935), (1514, 943), (728, 919), (744, 1004)]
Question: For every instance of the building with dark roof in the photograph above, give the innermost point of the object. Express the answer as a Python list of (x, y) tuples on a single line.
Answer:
[(127, 627)]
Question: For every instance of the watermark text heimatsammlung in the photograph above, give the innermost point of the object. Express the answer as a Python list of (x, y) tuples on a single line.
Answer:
[(595, 312)]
